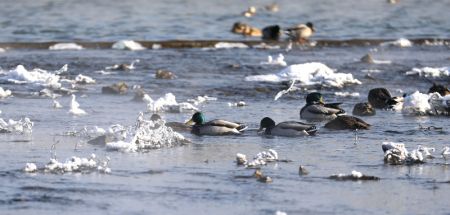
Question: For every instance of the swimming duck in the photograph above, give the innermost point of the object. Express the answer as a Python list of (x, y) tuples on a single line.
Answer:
[(316, 109), (272, 32), (246, 30), (363, 109), (176, 126), (347, 122), (301, 32), (287, 128), (214, 127), (441, 89), (381, 98)]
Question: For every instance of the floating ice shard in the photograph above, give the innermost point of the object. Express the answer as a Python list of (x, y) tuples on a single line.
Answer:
[(402, 42), (416, 103), (57, 105), (66, 46), (128, 45), (30, 167), (308, 74), (430, 72), (227, 45)]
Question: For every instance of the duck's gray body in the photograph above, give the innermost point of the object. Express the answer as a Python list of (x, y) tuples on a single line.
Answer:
[(218, 127), (319, 112), (287, 128), (292, 129)]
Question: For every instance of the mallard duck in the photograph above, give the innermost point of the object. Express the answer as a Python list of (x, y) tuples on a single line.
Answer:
[(316, 109), (246, 30), (272, 32), (287, 128), (441, 89), (381, 98), (301, 32), (214, 127), (363, 109), (347, 122), (176, 126)]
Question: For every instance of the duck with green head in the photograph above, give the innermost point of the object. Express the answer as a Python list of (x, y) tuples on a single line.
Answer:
[(214, 127), (286, 128), (316, 109)]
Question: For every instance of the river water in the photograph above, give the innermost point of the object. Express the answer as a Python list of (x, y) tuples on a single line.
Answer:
[(202, 177)]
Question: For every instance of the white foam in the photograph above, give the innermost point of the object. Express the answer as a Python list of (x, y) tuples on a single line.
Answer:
[(2, 50), (21, 126), (430, 72), (4, 93), (347, 94), (57, 105), (78, 164), (201, 99), (156, 46), (168, 103), (278, 61), (128, 45), (75, 107), (30, 167), (147, 134), (308, 74), (261, 158), (66, 46), (416, 103), (402, 42), (40, 77), (227, 45), (84, 79)]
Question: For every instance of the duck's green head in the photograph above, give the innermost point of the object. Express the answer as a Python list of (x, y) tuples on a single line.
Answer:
[(266, 123), (314, 98), (197, 119)]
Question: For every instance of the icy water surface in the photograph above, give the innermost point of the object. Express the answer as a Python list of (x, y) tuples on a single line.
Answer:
[(46, 20), (202, 177)]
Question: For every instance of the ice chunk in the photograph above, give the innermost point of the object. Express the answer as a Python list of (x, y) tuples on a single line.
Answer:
[(83, 79), (402, 42), (430, 72), (416, 103), (227, 45), (127, 45), (347, 94), (66, 46), (308, 74)]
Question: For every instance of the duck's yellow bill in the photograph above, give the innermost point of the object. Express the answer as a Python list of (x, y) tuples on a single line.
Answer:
[(190, 122)]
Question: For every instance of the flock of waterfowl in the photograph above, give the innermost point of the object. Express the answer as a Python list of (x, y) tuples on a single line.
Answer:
[(315, 110)]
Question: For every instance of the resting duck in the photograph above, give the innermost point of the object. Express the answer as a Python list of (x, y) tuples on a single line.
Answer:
[(272, 32), (301, 33), (363, 109), (316, 109), (246, 30), (287, 128), (381, 98), (441, 89), (214, 127), (347, 122)]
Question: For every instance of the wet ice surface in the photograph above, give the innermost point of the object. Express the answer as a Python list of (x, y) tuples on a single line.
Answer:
[(201, 177)]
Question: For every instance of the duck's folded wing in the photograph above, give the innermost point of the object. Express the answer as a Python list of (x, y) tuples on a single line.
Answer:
[(224, 123), (316, 109), (299, 126)]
